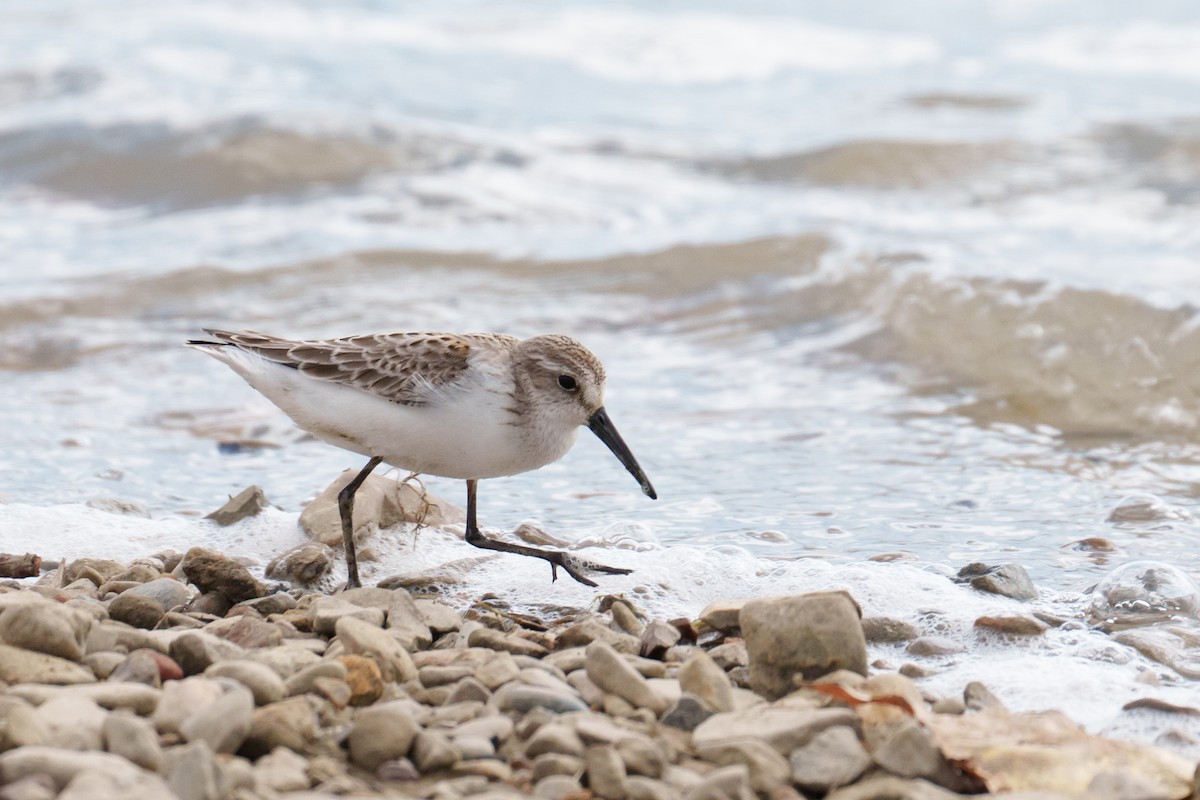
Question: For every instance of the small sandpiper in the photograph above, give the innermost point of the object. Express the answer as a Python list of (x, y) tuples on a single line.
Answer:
[(471, 406)]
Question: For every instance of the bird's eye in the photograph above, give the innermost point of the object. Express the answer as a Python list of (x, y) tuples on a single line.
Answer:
[(567, 383)]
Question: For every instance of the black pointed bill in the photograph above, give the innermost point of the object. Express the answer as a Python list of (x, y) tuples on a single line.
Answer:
[(602, 426)]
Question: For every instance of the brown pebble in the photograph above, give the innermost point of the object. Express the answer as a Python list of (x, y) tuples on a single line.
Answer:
[(1016, 624), (364, 679)]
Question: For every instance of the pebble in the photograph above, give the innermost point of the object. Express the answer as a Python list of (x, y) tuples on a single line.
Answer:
[(281, 770), (224, 723), (308, 696), (933, 646), (212, 572), (264, 683), (687, 713), (885, 630), (700, 676), (723, 615), (832, 758), (361, 637), (18, 665), (784, 728), (657, 638), (606, 772), (1016, 624), (381, 733), (612, 673), (132, 737), (49, 628), (1008, 580), (168, 592), (810, 634)]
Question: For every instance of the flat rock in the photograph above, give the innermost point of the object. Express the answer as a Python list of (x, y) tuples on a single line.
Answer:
[(888, 786), (61, 765), (496, 640), (584, 633), (807, 635), (784, 728), (135, 697), (192, 772), (325, 612), (18, 665)]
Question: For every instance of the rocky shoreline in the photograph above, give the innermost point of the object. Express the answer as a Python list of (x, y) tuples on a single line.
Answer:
[(186, 676)]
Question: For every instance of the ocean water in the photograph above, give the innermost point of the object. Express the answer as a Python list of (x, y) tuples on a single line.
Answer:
[(881, 292)]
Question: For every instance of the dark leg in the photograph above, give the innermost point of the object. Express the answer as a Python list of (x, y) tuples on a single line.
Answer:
[(346, 507), (570, 564)]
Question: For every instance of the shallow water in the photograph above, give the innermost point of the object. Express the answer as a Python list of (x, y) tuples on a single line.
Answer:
[(920, 285)]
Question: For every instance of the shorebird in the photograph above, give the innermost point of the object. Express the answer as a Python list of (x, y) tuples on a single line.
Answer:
[(469, 406)]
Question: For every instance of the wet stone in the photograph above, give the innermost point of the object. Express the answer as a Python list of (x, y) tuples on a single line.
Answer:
[(810, 634), (1008, 580), (1015, 624), (933, 646), (246, 503), (885, 630), (212, 572)]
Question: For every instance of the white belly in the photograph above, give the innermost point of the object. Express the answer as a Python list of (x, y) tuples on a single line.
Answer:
[(468, 434)]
